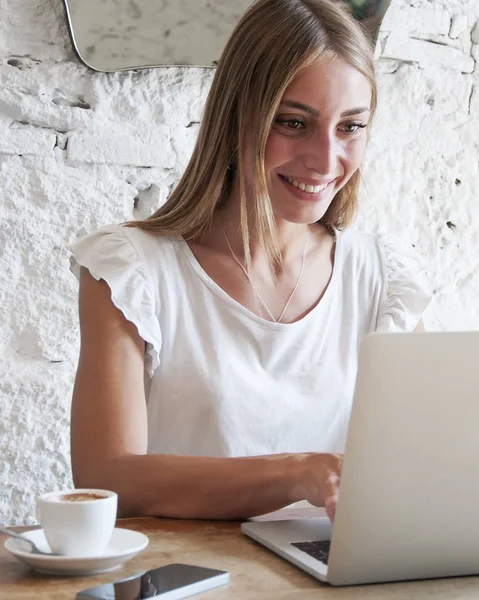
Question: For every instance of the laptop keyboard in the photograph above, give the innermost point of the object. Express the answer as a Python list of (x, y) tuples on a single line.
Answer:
[(318, 550)]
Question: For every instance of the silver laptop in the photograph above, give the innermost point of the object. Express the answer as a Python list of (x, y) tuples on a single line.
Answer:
[(409, 496)]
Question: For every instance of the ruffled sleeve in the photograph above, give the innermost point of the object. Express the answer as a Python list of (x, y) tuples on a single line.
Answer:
[(108, 254), (404, 298)]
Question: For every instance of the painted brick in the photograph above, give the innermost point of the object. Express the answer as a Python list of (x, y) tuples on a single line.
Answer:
[(426, 53), (458, 26), (27, 141), (141, 148), (404, 19)]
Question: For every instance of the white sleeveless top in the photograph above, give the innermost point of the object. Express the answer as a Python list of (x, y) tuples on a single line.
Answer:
[(220, 380)]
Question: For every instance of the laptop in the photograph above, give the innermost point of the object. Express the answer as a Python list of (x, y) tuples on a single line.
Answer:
[(408, 505)]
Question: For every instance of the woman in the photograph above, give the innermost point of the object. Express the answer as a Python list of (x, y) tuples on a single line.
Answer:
[(219, 338)]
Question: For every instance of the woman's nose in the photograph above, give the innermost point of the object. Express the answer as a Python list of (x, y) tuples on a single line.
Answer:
[(322, 155)]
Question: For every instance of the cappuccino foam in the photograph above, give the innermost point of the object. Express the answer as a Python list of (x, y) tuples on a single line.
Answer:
[(80, 497)]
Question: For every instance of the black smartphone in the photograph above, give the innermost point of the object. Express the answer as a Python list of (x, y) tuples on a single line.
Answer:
[(171, 582)]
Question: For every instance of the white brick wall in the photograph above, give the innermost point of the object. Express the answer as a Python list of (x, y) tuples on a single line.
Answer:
[(105, 145), (25, 141), (80, 149), (424, 53)]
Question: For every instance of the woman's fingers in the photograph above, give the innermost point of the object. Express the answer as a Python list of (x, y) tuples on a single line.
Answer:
[(332, 482), (321, 480), (330, 506)]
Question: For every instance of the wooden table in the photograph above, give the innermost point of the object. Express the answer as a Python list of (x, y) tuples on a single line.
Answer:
[(255, 572)]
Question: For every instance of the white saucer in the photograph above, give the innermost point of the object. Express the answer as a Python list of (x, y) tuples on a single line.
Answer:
[(124, 544)]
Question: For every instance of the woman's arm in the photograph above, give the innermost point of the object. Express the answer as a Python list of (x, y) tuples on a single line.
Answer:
[(109, 438)]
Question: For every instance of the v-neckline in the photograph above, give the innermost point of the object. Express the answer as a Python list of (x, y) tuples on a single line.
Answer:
[(225, 297)]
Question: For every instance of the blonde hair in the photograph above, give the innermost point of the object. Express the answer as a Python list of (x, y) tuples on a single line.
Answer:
[(272, 43)]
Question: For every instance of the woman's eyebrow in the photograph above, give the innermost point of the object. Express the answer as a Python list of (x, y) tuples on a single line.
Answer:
[(355, 111), (312, 111), (300, 106)]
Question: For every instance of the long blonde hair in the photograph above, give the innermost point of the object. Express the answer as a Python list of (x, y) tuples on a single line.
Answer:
[(272, 43)]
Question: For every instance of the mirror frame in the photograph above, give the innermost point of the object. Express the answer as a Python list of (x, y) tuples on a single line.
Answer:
[(371, 25), (78, 54)]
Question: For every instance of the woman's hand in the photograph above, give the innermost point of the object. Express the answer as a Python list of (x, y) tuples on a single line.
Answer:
[(319, 480)]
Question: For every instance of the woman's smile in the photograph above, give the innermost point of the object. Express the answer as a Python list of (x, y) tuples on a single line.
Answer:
[(303, 190)]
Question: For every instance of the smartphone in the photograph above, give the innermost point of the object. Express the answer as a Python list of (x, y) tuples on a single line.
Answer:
[(171, 582)]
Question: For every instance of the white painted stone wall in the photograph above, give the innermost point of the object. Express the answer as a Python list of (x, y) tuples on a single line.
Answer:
[(80, 149)]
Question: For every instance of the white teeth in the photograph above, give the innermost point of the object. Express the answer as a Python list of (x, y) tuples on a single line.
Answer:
[(311, 189)]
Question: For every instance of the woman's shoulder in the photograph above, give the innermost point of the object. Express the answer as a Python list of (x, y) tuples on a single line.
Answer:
[(391, 267), (359, 249), (123, 258), (357, 238), (124, 243), (138, 236), (378, 259), (376, 250)]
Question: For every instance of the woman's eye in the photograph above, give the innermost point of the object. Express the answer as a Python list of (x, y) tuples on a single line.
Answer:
[(292, 124), (353, 127)]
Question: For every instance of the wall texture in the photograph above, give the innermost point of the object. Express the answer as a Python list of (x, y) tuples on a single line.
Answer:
[(80, 149)]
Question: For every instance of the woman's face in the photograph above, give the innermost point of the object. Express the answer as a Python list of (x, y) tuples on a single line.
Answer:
[(318, 139)]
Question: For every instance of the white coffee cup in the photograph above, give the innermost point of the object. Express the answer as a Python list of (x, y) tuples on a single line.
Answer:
[(78, 522)]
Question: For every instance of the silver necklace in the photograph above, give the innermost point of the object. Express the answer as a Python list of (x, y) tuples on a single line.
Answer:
[(250, 279)]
